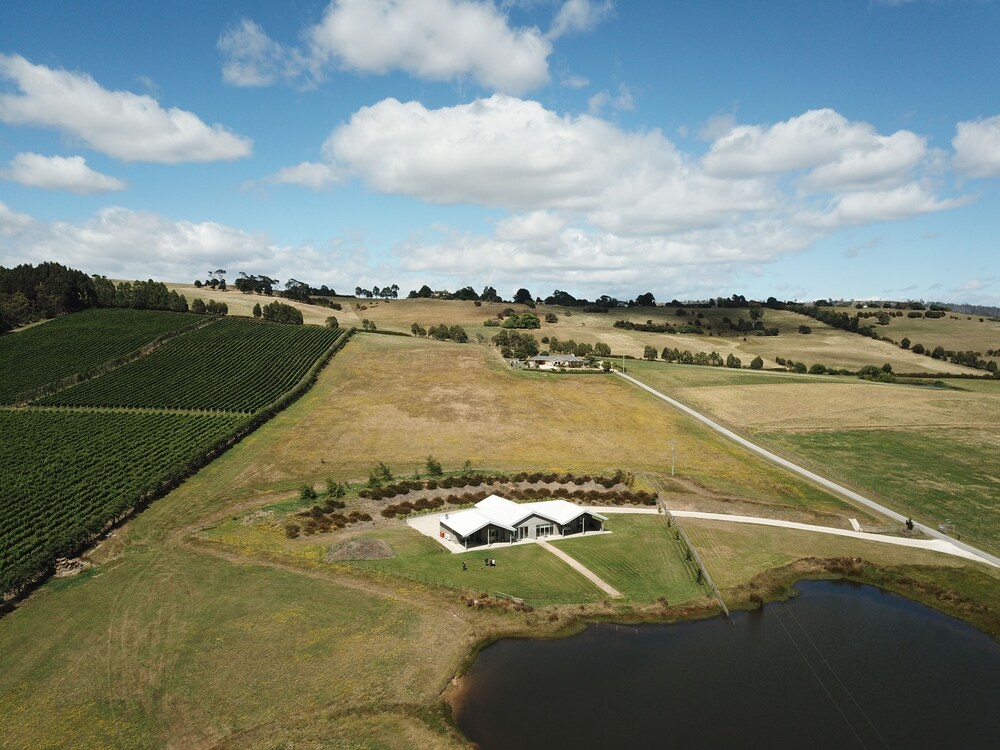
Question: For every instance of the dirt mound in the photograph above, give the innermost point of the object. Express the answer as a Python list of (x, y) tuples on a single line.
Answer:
[(359, 548)]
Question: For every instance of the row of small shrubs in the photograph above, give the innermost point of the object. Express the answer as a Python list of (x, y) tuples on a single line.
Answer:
[(406, 507), (323, 522), (622, 497), (477, 480), (594, 497)]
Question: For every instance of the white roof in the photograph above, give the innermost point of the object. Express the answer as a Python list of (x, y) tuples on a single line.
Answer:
[(499, 511)]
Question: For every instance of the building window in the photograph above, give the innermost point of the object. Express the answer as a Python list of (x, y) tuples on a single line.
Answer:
[(543, 530)]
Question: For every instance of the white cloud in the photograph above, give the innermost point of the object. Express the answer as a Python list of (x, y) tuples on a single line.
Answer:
[(13, 223), (308, 174), (122, 243), (515, 154), (880, 161), (252, 58), (717, 126), (578, 16), (867, 206), (434, 40), (537, 225), (121, 124), (574, 81), (977, 147), (512, 153), (59, 173), (438, 40), (623, 101), (810, 140)]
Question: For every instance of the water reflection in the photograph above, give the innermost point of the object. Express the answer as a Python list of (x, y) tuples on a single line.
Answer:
[(840, 666)]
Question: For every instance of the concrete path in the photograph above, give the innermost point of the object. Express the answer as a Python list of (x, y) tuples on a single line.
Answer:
[(935, 545), (583, 570), (812, 476)]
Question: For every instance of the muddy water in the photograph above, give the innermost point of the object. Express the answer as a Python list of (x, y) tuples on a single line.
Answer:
[(840, 666)]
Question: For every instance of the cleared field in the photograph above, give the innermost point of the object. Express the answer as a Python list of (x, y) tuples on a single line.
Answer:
[(932, 475), (231, 365), (734, 553), (96, 465), (640, 558), (398, 400), (76, 344), (816, 403), (174, 648), (955, 331), (930, 453), (168, 645), (825, 345), (242, 304)]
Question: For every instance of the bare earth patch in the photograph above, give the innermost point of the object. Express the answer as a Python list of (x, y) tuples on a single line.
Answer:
[(359, 548)]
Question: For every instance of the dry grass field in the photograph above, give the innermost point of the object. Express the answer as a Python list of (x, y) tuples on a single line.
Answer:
[(930, 453), (242, 304), (173, 642), (955, 331), (825, 345), (398, 400)]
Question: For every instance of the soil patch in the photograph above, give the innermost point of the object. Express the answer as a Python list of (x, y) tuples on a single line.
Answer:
[(359, 548)]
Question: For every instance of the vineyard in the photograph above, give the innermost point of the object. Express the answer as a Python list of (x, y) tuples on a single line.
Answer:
[(231, 365), (66, 473), (76, 344)]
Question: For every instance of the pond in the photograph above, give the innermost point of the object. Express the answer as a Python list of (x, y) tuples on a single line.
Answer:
[(839, 666)]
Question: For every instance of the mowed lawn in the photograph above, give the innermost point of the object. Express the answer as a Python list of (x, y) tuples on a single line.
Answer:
[(640, 558), (525, 571)]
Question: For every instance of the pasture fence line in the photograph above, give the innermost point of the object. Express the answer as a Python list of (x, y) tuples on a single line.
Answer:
[(706, 576)]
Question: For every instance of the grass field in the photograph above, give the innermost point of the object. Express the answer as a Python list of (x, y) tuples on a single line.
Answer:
[(398, 400), (930, 453), (955, 331), (825, 345), (169, 642), (735, 554), (240, 304), (640, 558)]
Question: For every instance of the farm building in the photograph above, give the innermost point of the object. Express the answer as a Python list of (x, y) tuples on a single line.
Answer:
[(559, 360), (497, 519)]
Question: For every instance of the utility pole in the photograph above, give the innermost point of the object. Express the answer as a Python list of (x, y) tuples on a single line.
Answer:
[(673, 457), (623, 363)]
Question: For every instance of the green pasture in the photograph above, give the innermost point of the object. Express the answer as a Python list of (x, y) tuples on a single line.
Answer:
[(931, 474), (525, 571), (640, 558)]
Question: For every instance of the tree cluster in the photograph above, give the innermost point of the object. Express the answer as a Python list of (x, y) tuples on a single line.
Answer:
[(279, 312), (386, 292), (211, 307), (514, 344)]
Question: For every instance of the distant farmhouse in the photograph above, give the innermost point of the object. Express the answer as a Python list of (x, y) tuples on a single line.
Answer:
[(497, 519), (558, 360)]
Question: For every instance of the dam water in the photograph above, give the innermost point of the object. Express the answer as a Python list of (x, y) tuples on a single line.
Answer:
[(840, 666)]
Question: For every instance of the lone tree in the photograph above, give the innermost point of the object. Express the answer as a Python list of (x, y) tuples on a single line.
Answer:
[(256, 310), (332, 322), (756, 363), (433, 467), (649, 352)]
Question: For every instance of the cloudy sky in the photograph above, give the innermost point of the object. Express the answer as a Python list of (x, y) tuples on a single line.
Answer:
[(692, 148)]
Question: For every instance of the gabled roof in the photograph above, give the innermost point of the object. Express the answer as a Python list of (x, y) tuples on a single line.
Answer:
[(499, 511)]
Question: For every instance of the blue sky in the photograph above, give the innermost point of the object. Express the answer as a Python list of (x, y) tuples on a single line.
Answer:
[(845, 148)]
